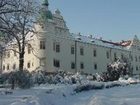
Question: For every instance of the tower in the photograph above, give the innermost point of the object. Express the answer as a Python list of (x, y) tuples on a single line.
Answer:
[(45, 13), (46, 3)]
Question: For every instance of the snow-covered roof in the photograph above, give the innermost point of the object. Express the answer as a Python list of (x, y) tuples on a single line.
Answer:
[(99, 42)]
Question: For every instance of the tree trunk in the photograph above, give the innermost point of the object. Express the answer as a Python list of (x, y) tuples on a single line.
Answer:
[(13, 84), (21, 61)]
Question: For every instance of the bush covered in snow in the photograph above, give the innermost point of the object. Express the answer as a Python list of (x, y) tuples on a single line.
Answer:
[(25, 79), (20, 78), (3, 78), (59, 77), (105, 85), (115, 70), (89, 86), (38, 77)]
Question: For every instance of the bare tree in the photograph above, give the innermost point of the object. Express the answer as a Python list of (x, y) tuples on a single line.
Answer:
[(8, 6), (17, 18)]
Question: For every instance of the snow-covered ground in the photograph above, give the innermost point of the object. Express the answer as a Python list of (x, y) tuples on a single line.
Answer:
[(64, 95)]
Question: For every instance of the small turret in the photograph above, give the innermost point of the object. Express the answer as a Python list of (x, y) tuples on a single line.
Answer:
[(45, 13), (135, 37), (58, 12)]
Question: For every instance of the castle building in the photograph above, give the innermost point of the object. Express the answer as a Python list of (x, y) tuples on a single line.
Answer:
[(54, 48)]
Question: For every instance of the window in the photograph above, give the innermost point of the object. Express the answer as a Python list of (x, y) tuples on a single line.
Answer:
[(14, 66), (29, 49), (82, 65), (57, 48), (72, 65), (3, 67), (115, 56), (132, 68), (28, 65), (56, 63), (42, 44), (95, 66), (8, 67), (72, 50), (136, 58), (137, 68), (94, 53), (107, 55), (81, 51)]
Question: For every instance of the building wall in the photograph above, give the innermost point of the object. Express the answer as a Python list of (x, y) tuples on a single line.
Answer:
[(88, 59), (55, 32)]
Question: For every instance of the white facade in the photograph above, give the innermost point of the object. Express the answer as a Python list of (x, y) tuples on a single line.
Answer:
[(61, 50)]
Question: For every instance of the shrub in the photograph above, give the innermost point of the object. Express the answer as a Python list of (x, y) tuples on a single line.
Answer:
[(3, 78), (115, 70), (88, 86), (20, 78), (38, 77)]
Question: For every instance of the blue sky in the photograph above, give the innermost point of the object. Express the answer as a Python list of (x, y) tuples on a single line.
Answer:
[(110, 19)]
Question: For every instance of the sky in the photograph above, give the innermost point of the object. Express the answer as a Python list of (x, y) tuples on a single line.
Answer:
[(110, 19)]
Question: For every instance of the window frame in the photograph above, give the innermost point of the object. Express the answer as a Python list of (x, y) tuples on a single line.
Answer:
[(57, 46), (82, 51), (95, 66), (42, 45), (82, 65), (107, 54), (29, 65), (95, 52), (72, 50), (72, 65), (29, 49), (56, 63)]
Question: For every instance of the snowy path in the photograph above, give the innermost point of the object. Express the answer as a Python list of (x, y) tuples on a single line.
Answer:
[(129, 95), (61, 95)]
